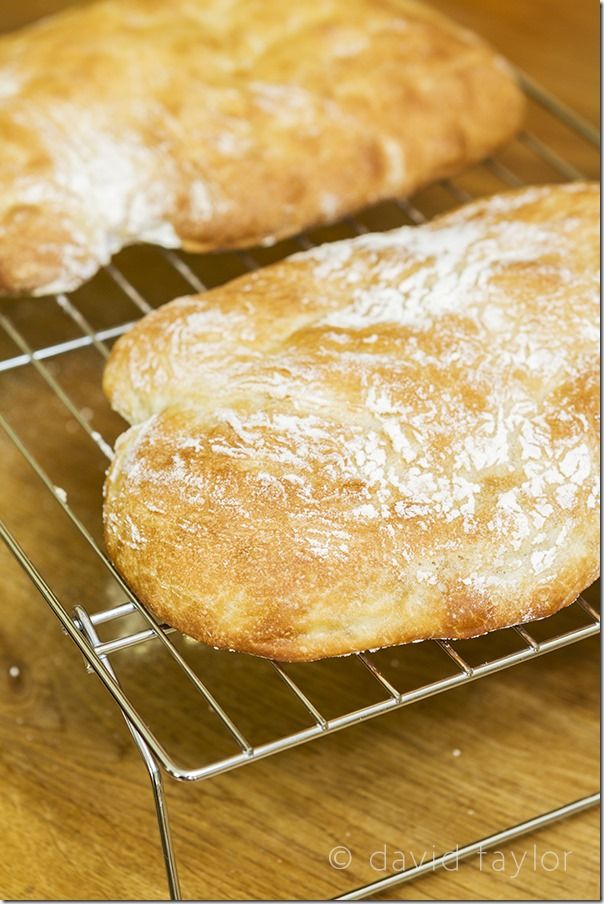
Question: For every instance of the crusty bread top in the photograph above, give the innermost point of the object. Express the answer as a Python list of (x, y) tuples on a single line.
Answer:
[(220, 123), (380, 440)]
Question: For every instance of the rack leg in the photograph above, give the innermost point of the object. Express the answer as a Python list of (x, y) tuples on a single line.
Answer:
[(85, 625), (161, 810), (469, 850)]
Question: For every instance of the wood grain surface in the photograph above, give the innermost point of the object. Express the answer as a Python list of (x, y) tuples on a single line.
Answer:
[(76, 814)]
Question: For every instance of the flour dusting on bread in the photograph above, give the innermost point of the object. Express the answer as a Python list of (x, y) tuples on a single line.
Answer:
[(323, 464), (203, 124)]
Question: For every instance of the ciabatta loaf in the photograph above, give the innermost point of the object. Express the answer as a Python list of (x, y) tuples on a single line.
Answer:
[(209, 124), (377, 441)]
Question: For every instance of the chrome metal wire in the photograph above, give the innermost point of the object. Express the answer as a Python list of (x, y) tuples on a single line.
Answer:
[(81, 625), (452, 858)]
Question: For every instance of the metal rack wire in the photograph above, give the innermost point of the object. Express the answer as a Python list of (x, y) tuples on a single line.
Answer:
[(101, 655)]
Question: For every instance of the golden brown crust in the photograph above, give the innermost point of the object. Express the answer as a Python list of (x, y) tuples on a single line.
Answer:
[(378, 441), (203, 124)]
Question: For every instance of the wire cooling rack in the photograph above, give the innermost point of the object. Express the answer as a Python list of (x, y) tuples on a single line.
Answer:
[(109, 635)]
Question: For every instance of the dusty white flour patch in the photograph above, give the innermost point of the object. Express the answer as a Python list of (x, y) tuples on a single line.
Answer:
[(415, 406)]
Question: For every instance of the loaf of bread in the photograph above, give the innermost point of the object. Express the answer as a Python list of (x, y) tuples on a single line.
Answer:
[(381, 440), (207, 124)]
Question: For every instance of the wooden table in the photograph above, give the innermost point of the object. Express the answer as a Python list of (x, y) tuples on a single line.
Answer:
[(75, 808)]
